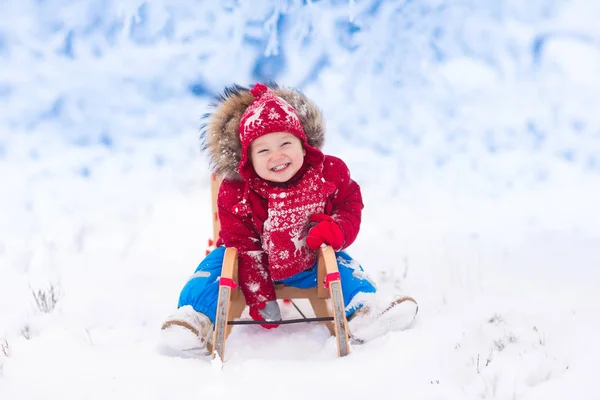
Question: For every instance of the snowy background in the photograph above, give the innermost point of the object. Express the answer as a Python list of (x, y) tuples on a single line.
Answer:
[(472, 127)]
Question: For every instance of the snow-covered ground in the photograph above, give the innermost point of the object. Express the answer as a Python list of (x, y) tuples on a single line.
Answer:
[(475, 140)]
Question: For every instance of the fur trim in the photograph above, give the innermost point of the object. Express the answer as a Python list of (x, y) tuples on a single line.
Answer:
[(221, 137)]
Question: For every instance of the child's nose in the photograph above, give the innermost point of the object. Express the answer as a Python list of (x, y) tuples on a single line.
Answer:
[(277, 153)]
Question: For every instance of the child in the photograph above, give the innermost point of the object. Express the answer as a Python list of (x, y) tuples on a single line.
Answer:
[(280, 200)]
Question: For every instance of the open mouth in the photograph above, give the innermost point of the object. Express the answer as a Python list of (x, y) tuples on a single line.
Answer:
[(280, 167)]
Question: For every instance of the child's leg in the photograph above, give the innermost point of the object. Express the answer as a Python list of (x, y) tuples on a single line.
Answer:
[(354, 281), (202, 289), (353, 278)]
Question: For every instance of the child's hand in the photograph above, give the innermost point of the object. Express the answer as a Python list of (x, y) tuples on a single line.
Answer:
[(267, 311), (326, 231), (270, 311)]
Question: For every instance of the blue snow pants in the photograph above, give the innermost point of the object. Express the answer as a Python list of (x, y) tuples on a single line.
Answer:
[(202, 290)]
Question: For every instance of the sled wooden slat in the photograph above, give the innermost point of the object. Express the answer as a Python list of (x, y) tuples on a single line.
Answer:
[(327, 259), (215, 182), (222, 330), (289, 292)]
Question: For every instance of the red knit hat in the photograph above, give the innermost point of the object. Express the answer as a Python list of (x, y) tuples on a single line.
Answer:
[(267, 114)]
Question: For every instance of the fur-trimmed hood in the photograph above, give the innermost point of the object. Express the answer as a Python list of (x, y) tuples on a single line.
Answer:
[(220, 132)]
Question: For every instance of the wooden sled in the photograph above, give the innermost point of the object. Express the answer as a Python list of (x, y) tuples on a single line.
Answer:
[(231, 302)]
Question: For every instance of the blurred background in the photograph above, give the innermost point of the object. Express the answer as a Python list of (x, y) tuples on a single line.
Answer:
[(480, 96), (465, 117)]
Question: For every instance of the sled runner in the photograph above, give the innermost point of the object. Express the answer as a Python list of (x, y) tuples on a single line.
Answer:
[(231, 302)]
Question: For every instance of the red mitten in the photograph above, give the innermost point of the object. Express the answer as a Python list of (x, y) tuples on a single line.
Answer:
[(325, 231), (255, 314)]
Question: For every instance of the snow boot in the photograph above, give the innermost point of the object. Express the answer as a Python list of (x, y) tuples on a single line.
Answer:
[(373, 320), (186, 333)]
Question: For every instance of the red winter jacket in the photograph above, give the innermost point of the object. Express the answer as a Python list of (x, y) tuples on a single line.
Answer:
[(245, 232)]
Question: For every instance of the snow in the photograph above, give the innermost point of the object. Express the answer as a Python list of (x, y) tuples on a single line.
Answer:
[(471, 126)]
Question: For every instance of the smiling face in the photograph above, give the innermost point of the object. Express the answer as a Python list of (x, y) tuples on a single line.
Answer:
[(277, 156)]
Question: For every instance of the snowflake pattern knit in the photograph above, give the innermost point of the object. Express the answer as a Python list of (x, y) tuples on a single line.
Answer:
[(287, 224)]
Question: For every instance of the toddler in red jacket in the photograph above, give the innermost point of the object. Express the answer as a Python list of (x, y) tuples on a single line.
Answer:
[(280, 199)]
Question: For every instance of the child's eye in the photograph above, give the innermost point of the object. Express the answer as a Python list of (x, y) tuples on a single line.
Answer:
[(285, 143), (262, 151)]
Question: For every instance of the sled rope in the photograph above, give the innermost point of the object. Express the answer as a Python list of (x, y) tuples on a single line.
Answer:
[(228, 282), (330, 277)]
